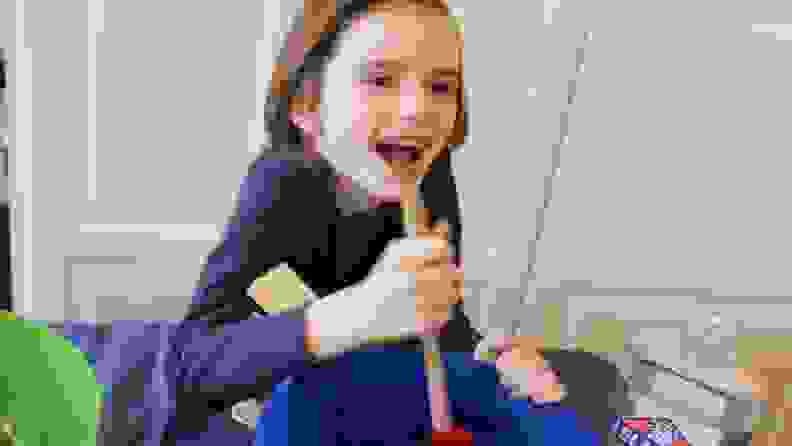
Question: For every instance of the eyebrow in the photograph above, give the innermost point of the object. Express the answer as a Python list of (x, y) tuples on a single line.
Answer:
[(397, 65)]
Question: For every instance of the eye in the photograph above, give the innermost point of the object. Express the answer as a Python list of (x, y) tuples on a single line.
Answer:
[(441, 87), (380, 81)]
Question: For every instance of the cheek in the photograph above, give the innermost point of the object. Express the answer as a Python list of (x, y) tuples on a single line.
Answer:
[(371, 115), (374, 115), (363, 120), (346, 117)]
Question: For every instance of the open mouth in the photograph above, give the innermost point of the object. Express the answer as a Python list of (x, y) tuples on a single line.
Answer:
[(398, 152)]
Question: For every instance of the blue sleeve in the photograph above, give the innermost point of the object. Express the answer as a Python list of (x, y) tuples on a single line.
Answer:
[(213, 362), (224, 355), (253, 241), (165, 374)]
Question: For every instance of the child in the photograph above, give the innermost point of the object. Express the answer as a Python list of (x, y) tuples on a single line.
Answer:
[(351, 96), (294, 208)]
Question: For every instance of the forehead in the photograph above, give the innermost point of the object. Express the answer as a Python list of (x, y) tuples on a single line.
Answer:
[(415, 37)]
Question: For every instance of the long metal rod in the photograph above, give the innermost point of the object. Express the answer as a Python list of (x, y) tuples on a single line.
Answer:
[(540, 220), (555, 167)]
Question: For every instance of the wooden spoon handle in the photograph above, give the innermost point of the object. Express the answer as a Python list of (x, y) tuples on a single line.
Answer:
[(416, 220)]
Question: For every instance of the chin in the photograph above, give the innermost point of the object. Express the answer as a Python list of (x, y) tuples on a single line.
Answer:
[(389, 193)]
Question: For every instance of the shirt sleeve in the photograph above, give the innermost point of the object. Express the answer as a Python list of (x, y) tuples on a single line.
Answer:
[(216, 368), (255, 240), (228, 349)]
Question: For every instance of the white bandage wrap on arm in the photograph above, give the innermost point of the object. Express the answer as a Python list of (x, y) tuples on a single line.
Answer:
[(363, 314)]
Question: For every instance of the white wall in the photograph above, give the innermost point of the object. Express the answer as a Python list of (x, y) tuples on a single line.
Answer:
[(675, 172), (674, 175)]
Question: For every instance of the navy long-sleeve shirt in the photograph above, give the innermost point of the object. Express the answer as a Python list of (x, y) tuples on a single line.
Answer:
[(169, 379)]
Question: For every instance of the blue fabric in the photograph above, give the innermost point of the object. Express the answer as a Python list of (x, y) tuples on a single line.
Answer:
[(185, 356), (379, 397)]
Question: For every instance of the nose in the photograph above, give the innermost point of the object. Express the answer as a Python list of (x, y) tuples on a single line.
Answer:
[(412, 105)]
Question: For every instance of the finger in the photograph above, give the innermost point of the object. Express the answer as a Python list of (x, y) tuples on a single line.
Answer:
[(516, 346), (442, 229), (432, 323), (444, 274), (530, 358), (500, 344), (437, 255), (436, 286), (423, 221), (437, 290), (435, 311), (520, 359), (528, 342), (412, 253), (441, 275)]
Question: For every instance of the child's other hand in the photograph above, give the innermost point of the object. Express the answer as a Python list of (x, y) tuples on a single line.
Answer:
[(522, 368)]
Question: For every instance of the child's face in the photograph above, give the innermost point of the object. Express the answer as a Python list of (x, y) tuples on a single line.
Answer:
[(393, 84)]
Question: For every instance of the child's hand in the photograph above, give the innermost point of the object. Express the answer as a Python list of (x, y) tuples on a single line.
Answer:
[(522, 367)]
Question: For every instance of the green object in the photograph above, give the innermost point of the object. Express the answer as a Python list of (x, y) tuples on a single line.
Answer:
[(409, 217), (457, 21), (768, 423), (489, 355), (607, 336), (287, 290), (747, 346), (552, 326), (48, 390), (7, 431)]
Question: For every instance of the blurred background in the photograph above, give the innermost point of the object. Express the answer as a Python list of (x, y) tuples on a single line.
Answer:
[(667, 225)]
